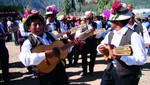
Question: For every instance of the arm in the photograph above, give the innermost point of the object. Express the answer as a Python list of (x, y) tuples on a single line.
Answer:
[(139, 53), (28, 58)]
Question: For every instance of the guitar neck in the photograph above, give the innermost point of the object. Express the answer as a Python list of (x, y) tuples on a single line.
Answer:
[(122, 51), (60, 34), (68, 45)]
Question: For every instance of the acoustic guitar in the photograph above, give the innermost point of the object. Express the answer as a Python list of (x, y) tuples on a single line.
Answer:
[(72, 30), (118, 51), (60, 51)]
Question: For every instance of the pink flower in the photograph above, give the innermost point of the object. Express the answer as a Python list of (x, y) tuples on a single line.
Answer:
[(116, 6)]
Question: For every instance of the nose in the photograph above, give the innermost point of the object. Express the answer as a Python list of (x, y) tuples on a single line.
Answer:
[(38, 25)]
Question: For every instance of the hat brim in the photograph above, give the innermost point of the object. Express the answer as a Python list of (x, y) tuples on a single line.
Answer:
[(86, 17), (26, 27), (48, 13), (117, 17)]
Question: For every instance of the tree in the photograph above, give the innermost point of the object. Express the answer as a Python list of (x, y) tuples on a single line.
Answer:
[(69, 6), (104, 5), (66, 6)]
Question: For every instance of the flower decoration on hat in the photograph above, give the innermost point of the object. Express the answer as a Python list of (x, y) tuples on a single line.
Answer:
[(130, 7), (115, 7), (51, 9), (119, 11), (30, 13)]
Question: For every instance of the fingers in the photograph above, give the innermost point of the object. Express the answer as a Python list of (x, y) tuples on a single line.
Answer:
[(49, 53)]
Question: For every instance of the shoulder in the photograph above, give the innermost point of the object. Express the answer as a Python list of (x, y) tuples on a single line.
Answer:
[(52, 35), (26, 43), (135, 36)]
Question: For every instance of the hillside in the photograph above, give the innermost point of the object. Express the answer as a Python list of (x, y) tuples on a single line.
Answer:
[(41, 4)]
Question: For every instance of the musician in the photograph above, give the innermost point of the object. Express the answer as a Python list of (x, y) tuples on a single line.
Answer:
[(52, 24), (73, 56), (122, 70), (65, 22), (89, 46), (35, 24), (4, 56), (139, 28)]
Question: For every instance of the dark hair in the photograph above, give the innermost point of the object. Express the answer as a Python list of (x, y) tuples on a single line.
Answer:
[(125, 22)]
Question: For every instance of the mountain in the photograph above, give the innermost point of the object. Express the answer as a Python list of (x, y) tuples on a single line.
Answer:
[(34, 4)]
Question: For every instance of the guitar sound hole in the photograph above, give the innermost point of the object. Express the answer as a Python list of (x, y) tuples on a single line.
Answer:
[(56, 52)]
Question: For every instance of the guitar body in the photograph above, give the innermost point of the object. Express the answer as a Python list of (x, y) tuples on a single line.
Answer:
[(118, 51), (50, 63)]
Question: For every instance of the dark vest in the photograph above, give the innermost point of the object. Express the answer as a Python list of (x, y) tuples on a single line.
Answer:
[(36, 42), (139, 29), (123, 69), (57, 26)]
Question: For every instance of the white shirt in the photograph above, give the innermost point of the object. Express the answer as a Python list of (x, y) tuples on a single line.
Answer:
[(79, 31), (22, 30), (28, 58), (99, 24), (137, 44), (146, 36)]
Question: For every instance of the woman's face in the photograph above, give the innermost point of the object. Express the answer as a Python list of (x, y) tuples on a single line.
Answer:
[(36, 27)]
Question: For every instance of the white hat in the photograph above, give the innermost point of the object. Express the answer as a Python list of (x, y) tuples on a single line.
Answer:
[(51, 10), (88, 14), (119, 11)]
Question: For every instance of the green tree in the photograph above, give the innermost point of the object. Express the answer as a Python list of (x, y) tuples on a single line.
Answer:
[(104, 5)]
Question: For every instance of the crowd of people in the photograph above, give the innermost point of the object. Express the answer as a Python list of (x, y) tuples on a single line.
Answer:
[(120, 27)]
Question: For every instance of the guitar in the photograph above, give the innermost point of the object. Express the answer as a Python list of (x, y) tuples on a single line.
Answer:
[(72, 31), (90, 32), (118, 51), (60, 51)]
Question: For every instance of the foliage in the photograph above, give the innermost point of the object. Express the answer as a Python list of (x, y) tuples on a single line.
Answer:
[(104, 5), (61, 6)]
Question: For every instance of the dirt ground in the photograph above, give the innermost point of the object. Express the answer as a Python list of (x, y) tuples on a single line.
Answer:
[(19, 75)]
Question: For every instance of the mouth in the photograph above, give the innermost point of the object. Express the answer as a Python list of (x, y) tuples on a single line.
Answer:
[(38, 30)]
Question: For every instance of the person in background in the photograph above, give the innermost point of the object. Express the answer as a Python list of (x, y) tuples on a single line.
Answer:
[(35, 24), (140, 29), (89, 45), (4, 56), (54, 25), (122, 70), (146, 23)]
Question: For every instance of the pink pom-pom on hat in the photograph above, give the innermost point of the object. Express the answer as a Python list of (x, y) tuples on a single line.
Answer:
[(51, 9), (88, 14)]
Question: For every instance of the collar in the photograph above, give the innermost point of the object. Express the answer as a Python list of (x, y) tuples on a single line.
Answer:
[(47, 22), (133, 26), (44, 35)]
